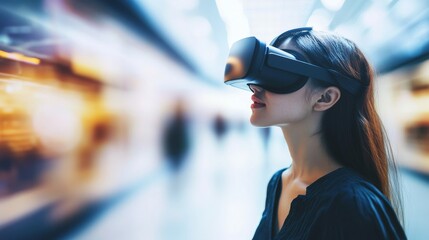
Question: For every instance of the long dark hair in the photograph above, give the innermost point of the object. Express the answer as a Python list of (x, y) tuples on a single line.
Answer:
[(351, 130)]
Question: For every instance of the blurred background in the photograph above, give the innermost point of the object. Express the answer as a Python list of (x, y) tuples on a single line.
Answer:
[(115, 122)]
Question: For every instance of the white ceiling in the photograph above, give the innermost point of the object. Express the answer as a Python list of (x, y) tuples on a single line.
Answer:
[(390, 32), (268, 19), (375, 25)]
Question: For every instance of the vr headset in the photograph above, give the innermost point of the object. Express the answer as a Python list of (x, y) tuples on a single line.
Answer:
[(252, 62)]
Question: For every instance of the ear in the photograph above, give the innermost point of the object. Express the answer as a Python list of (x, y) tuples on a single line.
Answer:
[(326, 98)]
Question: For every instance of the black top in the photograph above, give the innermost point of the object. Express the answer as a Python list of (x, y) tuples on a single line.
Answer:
[(339, 205)]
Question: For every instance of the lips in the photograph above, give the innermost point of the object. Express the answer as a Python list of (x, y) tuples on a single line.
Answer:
[(257, 103)]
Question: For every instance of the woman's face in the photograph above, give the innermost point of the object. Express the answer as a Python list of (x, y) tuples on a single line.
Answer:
[(272, 109)]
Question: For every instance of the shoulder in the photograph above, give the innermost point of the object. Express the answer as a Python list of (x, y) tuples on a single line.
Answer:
[(359, 209), (356, 198), (356, 192), (346, 188)]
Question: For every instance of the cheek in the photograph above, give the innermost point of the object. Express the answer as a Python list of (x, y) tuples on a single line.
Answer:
[(280, 113), (288, 112), (282, 109)]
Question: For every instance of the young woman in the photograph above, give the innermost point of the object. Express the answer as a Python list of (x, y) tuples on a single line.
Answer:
[(339, 183)]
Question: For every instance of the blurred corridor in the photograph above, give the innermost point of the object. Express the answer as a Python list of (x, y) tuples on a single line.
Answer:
[(220, 195), (115, 122)]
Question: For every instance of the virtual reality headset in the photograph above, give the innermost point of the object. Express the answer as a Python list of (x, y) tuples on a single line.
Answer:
[(252, 62)]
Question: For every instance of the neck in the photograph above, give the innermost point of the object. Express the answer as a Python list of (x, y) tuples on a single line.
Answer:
[(310, 159)]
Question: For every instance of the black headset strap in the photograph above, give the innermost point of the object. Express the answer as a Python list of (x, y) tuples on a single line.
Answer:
[(288, 33), (351, 85), (296, 54)]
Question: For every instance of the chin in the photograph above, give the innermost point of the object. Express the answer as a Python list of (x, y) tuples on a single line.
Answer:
[(258, 123)]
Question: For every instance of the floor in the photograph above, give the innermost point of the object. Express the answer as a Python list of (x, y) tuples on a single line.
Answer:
[(219, 194)]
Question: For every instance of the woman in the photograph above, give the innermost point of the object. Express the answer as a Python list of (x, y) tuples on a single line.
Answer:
[(339, 183)]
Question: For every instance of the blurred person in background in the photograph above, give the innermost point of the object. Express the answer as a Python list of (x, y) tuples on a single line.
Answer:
[(31, 168), (7, 169), (341, 183), (220, 127), (176, 137)]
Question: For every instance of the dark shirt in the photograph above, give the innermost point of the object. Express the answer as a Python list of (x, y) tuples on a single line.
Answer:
[(339, 205)]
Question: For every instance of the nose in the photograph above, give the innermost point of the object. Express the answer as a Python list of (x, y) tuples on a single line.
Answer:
[(255, 88)]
